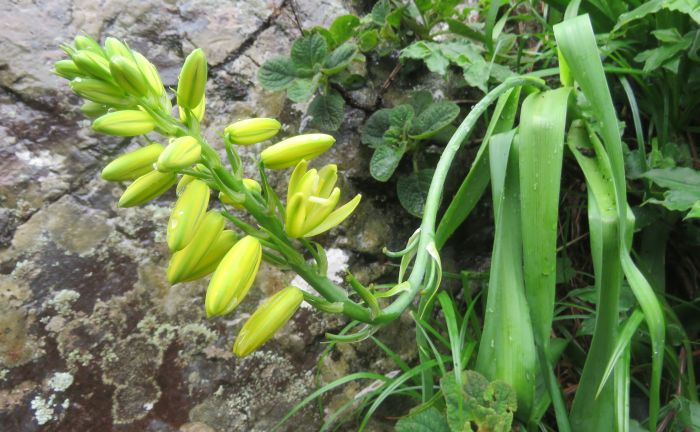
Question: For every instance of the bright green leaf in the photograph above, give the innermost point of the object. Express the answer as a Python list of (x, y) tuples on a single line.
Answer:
[(385, 160), (343, 28), (339, 59), (434, 118), (375, 127), (401, 115), (309, 51), (302, 89), (277, 74), (429, 420), (413, 190), (327, 111)]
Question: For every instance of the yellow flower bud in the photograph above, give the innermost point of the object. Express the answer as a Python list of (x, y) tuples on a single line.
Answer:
[(115, 47), (292, 150), (128, 75), (184, 262), (132, 165), (187, 214), (213, 256), (92, 64), (187, 179), (311, 200), (249, 184), (180, 153), (150, 72), (66, 69), (252, 131), (93, 109), (233, 277), (124, 123), (197, 112), (100, 92), (192, 80), (146, 188), (267, 320)]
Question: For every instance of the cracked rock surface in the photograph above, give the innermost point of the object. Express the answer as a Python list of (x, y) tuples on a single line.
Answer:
[(92, 337)]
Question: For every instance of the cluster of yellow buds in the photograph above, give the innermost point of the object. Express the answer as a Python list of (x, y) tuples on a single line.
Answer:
[(126, 97)]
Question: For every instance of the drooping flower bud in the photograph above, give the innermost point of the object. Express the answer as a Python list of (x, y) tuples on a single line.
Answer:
[(128, 75), (311, 200), (146, 188), (249, 184), (150, 72), (267, 320), (93, 109), (289, 152), (192, 80), (187, 214), (180, 153), (211, 259), (115, 47), (66, 69), (251, 131), (185, 261), (233, 277), (132, 165), (124, 123), (100, 92), (92, 64)]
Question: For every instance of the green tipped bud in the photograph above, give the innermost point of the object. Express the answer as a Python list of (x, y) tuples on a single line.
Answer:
[(92, 64), (146, 188), (249, 184), (151, 73), (213, 256), (66, 69), (193, 80), (87, 43), (198, 112), (100, 92), (115, 47), (132, 165), (93, 109), (124, 123), (252, 131), (184, 262), (180, 153), (267, 320), (188, 212), (233, 277), (292, 150), (128, 75)]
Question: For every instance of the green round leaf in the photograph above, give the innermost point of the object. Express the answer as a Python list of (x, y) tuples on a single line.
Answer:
[(327, 111), (434, 118), (413, 190), (277, 74), (309, 51)]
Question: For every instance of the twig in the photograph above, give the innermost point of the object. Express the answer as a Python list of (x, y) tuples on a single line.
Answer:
[(293, 7)]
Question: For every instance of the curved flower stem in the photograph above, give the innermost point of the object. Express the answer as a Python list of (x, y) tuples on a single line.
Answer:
[(427, 229)]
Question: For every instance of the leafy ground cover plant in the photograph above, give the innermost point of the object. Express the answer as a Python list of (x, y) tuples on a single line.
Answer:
[(309, 72), (393, 132)]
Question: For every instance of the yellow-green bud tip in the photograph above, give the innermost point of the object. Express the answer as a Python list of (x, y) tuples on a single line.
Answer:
[(267, 320), (291, 151), (251, 131)]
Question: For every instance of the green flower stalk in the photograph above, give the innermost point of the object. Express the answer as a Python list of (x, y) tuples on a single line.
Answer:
[(291, 151), (233, 277), (249, 184), (267, 320), (311, 200)]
